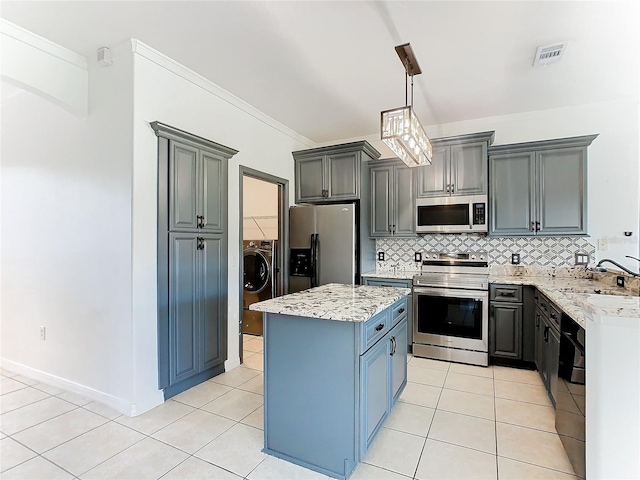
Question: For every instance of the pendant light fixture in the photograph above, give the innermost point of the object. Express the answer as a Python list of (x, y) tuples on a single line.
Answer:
[(400, 128)]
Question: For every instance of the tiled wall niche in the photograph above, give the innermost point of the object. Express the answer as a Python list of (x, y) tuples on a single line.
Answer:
[(542, 251)]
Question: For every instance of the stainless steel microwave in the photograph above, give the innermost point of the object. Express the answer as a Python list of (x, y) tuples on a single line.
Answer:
[(463, 214)]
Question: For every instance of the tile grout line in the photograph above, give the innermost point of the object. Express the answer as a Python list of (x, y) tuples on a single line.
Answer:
[(495, 423), (435, 410)]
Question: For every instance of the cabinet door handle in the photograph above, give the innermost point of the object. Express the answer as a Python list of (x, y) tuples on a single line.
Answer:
[(200, 244), (546, 334), (393, 346), (393, 229), (533, 226), (379, 327), (537, 226), (200, 220), (389, 228), (537, 320)]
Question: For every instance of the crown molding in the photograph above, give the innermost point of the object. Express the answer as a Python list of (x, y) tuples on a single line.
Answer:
[(162, 60), (36, 41)]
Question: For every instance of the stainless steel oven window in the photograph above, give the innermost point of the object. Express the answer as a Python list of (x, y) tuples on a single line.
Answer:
[(452, 318)]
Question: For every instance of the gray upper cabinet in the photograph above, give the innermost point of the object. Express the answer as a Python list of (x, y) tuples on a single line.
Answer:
[(183, 195), (562, 191), (310, 181), (512, 194), (539, 188), (458, 166), (392, 199), (196, 190), (432, 180), (329, 174)]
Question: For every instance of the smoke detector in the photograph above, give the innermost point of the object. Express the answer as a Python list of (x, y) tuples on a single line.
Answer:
[(550, 54)]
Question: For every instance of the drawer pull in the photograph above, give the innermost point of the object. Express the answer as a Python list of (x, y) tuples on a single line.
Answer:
[(401, 310), (379, 327), (507, 293)]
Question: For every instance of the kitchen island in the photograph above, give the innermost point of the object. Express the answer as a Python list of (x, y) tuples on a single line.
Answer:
[(333, 369)]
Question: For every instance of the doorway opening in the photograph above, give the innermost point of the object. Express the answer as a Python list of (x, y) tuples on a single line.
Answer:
[(264, 203)]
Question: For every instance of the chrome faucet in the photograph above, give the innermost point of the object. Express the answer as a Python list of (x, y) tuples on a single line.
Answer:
[(618, 265)]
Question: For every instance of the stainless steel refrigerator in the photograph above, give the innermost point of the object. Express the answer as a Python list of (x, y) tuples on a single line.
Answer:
[(324, 242)]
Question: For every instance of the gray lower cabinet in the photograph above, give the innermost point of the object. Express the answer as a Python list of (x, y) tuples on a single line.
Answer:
[(330, 385), (196, 292), (192, 258), (392, 199), (505, 321), (547, 324), (400, 283), (458, 166), (331, 173), (539, 188)]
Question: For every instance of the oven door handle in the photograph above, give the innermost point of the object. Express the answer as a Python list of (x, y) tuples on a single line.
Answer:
[(451, 292)]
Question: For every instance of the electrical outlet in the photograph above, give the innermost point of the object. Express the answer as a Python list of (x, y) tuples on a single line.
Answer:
[(381, 256), (581, 258), (417, 257), (43, 333), (515, 259), (620, 281), (603, 243)]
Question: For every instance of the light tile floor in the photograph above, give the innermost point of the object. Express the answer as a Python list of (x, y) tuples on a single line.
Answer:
[(452, 422)]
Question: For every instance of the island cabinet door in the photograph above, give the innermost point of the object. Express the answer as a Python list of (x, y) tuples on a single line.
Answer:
[(374, 390), (398, 359)]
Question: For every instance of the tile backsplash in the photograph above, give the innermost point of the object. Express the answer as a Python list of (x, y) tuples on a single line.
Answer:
[(534, 251)]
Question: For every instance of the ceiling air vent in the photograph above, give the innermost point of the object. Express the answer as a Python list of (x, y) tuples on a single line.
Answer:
[(549, 54)]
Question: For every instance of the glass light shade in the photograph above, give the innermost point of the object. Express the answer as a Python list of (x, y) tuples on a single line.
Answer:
[(402, 132)]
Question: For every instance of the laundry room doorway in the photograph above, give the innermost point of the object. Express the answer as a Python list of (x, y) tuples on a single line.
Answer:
[(264, 204)]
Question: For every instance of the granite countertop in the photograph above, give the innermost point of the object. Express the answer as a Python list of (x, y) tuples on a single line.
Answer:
[(577, 297), (347, 303)]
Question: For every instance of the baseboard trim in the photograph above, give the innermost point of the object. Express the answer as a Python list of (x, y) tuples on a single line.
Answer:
[(122, 405)]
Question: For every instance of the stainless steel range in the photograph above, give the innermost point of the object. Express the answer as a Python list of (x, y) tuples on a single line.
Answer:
[(451, 307)]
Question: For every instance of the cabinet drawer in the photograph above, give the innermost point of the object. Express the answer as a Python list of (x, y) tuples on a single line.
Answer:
[(554, 315), (541, 302), (374, 329), (505, 293), (386, 282), (399, 311)]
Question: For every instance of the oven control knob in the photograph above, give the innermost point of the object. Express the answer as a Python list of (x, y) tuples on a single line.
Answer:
[(435, 256), (473, 257), (481, 257)]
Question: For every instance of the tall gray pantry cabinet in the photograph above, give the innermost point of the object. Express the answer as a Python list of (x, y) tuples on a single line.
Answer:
[(192, 258)]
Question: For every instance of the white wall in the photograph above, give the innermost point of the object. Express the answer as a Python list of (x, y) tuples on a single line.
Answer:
[(613, 163), (169, 93), (259, 209), (38, 65), (66, 239)]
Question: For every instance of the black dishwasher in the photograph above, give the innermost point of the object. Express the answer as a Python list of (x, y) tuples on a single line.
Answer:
[(570, 408)]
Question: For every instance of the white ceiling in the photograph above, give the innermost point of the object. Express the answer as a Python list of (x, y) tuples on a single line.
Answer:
[(326, 69)]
